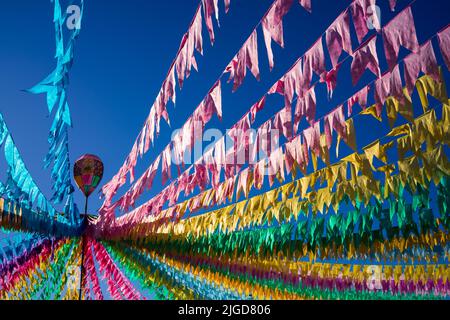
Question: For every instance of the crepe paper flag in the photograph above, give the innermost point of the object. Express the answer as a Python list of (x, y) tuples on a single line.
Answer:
[(365, 58), (330, 79), (444, 44), (21, 180), (364, 11), (390, 84), (428, 85), (257, 107), (355, 218), (210, 105), (424, 61), (283, 122), (118, 284), (405, 108), (305, 107), (216, 97), (373, 112), (338, 37), (276, 165), (227, 5), (400, 31), (314, 61), (312, 138), (245, 182), (360, 98), (377, 150), (55, 86), (210, 8), (183, 62), (292, 82), (392, 4), (247, 57), (306, 4), (351, 136), (272, 25)]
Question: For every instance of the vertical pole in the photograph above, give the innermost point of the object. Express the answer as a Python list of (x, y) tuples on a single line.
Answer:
[(85, 207), (82, 268), (82, 250)]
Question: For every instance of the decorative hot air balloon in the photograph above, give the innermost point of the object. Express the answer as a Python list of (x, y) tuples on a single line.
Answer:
[(88, 172)]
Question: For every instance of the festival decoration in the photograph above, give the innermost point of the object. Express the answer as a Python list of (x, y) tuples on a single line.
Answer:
[(55, 87), (313, 218)]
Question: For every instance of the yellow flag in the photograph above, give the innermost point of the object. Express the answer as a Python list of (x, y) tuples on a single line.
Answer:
[(426, 85)]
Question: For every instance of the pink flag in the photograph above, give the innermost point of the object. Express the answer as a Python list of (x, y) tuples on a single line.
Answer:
[(247, 57), (294, 82), (444, 44), (187, 134), (194, 42), (306, 107), (166, 163), (335, 121), (312, 137), (392, 4), (195, 32), (132, 160), (258, 174), (201, 178), (290, 156), (152, 172), (177, 148), (314, 61), (338, 38), (216, 98), (272, 25), (389, 85), (208, 160), (283, 122), (219, 153), (251, 55), (181, 59), (230, 163), (210, 7), (227, 5), (339, 124), (306, 4), (265, 137), (330, 79), (429, 62), (172, 194), (360, 97), (424, 61), (400, 31), (365, 13), (150, 132), (278, 87), (276, 165), (169, 86), (412, 67), (257, 107), (365, 58), (328, 129), (160, 106)]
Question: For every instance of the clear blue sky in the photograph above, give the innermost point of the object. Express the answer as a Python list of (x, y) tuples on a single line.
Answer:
[(122, 56)]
